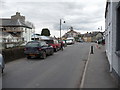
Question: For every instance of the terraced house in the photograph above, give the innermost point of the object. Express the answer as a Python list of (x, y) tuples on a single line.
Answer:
[(112, 36), (15, 30)]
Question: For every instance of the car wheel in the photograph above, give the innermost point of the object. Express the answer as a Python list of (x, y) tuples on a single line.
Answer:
[(28, 57), (55, 49), (52, 52), (2, 70), (43, 55)]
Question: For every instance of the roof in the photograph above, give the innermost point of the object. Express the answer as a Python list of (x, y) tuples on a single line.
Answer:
[(45, 38), (87, 35), (92, 34), (42, 37), (72, 31), (13, 23), (70, 38), (6, 35)]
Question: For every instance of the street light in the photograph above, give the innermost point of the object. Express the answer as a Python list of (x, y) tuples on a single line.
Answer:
[(100, 28), (61, 26)]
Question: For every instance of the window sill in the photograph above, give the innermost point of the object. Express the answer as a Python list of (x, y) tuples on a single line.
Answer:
[(118, 53)]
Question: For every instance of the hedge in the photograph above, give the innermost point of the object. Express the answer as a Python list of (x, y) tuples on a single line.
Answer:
[(13, 54)]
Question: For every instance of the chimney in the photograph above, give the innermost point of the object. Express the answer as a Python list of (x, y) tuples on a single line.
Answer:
[(18, 16)]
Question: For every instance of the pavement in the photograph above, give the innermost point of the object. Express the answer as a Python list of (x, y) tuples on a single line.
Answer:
[(96, 73)]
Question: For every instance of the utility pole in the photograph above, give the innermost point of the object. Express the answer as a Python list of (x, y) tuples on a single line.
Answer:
[(61, 26), (100, 28)]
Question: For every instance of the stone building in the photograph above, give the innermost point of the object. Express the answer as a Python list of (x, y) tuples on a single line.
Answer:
[(93, 36)]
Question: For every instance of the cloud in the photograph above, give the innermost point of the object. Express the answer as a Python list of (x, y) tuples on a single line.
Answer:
[(81, 14)]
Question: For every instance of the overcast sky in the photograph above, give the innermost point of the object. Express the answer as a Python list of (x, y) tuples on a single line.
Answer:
[(82, 15)]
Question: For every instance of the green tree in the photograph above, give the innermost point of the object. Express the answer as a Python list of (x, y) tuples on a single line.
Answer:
[(45, 32)]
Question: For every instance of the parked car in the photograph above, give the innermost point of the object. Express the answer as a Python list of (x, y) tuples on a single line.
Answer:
[(69, 42), (38, 49), (56, 45), (2, 64)]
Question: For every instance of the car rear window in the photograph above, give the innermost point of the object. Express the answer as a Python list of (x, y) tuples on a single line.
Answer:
[(33, 44), (50, 41)]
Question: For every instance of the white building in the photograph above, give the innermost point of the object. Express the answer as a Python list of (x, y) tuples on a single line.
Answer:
[(112, 35), (71, 33), (17, 29)]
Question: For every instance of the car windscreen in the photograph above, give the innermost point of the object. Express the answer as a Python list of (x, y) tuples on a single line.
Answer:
[(69, 40), (33, 44)]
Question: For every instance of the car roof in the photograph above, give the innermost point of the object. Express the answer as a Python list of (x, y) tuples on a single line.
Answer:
[(37, 41)]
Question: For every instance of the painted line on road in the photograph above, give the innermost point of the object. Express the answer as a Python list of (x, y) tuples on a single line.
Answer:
[(85, 70)]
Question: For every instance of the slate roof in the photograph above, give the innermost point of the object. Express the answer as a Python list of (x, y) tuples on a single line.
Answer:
[(72, 31), (92, 34), (87, 35), (13, 23)]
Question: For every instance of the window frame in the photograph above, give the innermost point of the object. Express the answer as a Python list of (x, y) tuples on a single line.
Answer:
[(118, 29)]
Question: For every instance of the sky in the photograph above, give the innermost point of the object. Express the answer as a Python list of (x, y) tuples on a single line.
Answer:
[(83, 15)]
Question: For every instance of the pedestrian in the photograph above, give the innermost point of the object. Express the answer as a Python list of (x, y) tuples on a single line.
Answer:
[(61, 45)]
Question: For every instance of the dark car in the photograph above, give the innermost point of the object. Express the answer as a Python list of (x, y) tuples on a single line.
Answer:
[(2, 64), (38, 49)]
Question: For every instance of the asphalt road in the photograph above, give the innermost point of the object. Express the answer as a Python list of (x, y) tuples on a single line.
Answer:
[(64, 69)]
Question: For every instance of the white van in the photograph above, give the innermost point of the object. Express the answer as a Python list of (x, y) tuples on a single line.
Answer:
[(70, 40)]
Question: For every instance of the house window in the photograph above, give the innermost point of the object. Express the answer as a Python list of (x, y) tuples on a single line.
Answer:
[(118, 31), (25, 30)]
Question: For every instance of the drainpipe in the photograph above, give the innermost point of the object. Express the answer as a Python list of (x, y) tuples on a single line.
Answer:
[(111, 65)]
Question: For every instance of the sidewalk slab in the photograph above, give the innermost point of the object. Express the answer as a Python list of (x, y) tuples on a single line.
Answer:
[(97, 74)]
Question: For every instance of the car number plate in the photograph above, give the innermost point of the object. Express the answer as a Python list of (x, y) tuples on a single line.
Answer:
[(32, 54)]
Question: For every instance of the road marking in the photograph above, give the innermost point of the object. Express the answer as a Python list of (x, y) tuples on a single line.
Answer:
[(84, 72)]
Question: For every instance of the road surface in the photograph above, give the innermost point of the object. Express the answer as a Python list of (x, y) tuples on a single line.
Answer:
[(64, 69)]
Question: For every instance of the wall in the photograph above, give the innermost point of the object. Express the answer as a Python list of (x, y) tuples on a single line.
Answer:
[(110, 37), (27, 34), (115, 58), (108, 27)]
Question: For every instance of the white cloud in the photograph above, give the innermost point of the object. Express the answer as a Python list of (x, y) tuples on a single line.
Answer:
[(83, 15)]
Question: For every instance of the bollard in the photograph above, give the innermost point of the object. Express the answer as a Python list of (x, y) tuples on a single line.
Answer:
[(91, 50)]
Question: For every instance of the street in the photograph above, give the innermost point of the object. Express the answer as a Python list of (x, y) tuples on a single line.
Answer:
[(64, 69)]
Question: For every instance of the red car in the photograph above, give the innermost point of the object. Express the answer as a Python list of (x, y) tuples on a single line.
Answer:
[(56, 45)]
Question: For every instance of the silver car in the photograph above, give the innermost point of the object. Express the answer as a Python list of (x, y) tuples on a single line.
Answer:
[(2, 64)]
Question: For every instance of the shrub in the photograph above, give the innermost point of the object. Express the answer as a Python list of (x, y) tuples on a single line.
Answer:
[(13, 54)]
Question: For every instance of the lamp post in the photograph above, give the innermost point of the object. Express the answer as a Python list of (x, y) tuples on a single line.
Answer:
[(100, 28), (61, 26)]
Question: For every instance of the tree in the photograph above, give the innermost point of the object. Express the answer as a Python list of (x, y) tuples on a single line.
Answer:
[(45, 32)]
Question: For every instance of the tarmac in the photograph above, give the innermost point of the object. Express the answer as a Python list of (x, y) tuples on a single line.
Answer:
[(96, 73)]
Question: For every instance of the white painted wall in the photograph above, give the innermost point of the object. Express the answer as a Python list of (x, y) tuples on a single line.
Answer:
[(115, 58), (110, 37), (109, 34), (27, 34)]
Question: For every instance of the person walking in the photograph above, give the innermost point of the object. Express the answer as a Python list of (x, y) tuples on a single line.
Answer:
[(61, 45)]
